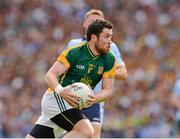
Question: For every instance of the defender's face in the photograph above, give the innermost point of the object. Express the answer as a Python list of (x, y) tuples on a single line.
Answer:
[(91, 18), (104, 40)]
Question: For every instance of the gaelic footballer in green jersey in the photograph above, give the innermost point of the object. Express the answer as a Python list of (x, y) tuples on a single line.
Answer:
[(85, 67), (89, 63)]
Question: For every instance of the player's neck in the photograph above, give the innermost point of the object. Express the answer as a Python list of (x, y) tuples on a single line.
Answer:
[(93, 49)]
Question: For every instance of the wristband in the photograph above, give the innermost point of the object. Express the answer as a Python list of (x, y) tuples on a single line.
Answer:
[(58, 89)]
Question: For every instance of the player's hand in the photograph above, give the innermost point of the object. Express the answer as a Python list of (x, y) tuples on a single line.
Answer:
[(71, 98), (91, 100)]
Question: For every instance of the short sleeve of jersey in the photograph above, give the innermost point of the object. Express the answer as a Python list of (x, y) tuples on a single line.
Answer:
[(74, 42), (117, 53), (66, 58), (176, 89), (110, 66), (71, 43)]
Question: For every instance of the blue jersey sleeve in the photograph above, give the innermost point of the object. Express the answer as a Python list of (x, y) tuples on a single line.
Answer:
[(73, 42), (117, 53), (176, 89)]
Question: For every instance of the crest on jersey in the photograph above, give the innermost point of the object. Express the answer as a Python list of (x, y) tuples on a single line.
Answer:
[(100, 70)]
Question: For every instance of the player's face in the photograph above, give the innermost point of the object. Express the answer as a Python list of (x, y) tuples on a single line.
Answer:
[(104, 40), (91, 18)]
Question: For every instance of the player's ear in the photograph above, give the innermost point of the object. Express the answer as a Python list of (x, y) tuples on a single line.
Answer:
[(85, 23), (93, 37)]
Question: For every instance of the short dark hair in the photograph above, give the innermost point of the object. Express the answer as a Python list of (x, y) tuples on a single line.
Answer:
[(96, 28)]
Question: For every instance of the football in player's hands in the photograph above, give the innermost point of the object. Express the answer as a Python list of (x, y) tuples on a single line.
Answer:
[(82, 90)]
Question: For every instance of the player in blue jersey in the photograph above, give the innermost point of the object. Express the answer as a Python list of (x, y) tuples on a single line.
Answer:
[(96, 113)]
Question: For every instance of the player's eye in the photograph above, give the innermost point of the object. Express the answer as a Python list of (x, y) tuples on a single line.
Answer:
[(108, 36)]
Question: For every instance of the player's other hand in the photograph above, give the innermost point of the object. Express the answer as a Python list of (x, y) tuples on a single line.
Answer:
[(91, 99), (71, 99)]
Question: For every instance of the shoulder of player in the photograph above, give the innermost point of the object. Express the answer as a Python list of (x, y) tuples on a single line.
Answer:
[(115, 49), (109, 57), (114, 46), (76, 48), (177, 83), (73, 42)]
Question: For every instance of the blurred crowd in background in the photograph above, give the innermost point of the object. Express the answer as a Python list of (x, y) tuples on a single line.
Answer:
[(34, 32)]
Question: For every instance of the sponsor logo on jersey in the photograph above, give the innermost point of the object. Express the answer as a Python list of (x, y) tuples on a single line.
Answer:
[(100, 70), (80, 66)]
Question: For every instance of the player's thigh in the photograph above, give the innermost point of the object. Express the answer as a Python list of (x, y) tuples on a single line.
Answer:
[(68, 119), (97, 129), (84, 126), (92, 113), (95, 115), (28, 136)]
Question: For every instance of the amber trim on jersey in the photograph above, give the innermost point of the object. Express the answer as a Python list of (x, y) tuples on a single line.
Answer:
[(62, 57), (64, 75), (77, 45), (50, 90), (110, 73)]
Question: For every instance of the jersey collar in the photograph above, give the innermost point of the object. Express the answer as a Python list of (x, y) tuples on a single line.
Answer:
[(84, 39), (90, 52)]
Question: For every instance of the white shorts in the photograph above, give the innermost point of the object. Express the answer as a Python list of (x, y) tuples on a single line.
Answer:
[(52, 104)]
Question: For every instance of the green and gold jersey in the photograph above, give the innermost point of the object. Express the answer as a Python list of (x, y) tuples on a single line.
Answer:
[(85, 67)]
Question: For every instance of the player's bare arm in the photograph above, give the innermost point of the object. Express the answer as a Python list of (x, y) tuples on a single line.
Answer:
[(56, 70), (121, 72), (175, 101), (51, 79), (106, 92)]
